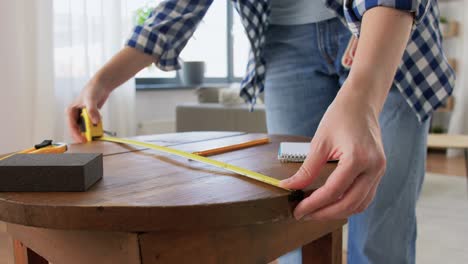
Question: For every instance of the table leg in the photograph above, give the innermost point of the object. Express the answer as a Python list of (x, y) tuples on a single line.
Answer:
[(73, 247), (245, 244), (327, 249), (24, 255), (260, 243)]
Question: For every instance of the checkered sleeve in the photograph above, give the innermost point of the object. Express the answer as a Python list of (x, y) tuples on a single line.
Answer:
[(355, 9), (166, 32)]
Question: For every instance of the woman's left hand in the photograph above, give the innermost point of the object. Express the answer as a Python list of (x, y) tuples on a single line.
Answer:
[(349, 131)]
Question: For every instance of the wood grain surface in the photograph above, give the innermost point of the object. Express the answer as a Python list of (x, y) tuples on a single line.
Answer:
[(246, 244), (327, 249), (143, 190), (24, 255)]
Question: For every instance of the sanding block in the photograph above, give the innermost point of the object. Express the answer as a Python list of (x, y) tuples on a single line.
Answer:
[(68, 172)]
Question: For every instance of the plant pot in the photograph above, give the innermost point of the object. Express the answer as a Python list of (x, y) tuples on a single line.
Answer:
[(444, 28), (192, 73)]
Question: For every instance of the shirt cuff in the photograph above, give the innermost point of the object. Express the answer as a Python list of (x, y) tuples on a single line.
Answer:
[(148, 42), (357, 8)]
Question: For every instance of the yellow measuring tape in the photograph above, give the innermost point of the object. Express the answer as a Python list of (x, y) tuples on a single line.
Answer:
[(96, 132)]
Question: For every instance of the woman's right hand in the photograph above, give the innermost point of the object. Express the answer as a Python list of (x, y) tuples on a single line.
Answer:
[(92, 97), (121, 67)]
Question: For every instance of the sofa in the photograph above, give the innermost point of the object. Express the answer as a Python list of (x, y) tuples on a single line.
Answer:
[(220, 109)]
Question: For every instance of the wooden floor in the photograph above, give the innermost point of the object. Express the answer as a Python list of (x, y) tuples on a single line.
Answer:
[(6, 247), (437, 162)]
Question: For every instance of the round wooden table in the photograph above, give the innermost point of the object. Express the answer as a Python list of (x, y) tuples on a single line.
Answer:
[(156, 208)]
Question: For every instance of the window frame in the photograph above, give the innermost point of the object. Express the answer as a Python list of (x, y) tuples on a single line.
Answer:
[(176, 83)]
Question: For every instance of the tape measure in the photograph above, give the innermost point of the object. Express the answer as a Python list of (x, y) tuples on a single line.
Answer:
[(95, 132)]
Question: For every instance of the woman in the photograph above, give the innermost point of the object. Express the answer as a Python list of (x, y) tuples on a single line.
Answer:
[(366, 102)]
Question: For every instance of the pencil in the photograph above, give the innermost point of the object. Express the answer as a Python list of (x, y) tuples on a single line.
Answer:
[(225, 149)]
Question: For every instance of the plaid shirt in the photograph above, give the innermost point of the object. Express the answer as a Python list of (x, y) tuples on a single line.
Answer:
[(424, 76)]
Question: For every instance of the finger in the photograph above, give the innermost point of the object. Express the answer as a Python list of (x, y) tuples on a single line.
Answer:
[(379, 170), (72, 120), (309, 170), (93, 111), (351, 200), (337, 183), (367, 201)]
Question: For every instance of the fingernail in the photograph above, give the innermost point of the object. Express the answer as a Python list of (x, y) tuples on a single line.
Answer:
[(298, 217), (308, 218), (286, 181)]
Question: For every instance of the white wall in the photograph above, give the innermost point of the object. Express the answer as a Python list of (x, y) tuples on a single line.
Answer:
[(156, 108), (26, 73), (453, 48), (456, 48)]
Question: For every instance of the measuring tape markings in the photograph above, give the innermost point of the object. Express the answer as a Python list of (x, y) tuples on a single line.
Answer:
[(96, 132), (242, 171)]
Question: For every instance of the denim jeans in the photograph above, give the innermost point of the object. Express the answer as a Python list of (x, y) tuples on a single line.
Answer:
[(304, 74)]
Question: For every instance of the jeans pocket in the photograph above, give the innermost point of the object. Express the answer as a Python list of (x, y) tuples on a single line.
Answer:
[(344, 40)]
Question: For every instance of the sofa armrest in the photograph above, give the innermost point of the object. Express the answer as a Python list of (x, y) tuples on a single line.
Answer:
[(217, 117)]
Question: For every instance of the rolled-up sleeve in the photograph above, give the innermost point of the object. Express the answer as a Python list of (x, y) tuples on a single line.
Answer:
[(166, 32), (354, 9)]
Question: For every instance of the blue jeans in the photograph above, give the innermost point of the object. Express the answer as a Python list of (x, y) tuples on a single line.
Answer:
[(304, 74)]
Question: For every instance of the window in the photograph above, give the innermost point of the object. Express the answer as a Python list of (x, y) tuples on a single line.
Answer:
[(222, 34)]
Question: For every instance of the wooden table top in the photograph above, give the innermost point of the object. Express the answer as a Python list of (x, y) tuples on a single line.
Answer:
[(143, 190)]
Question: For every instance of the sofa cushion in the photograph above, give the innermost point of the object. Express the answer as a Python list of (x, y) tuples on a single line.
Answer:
[(218, 117)]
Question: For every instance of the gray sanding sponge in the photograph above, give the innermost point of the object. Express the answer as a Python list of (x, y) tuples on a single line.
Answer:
[(67, 172)]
